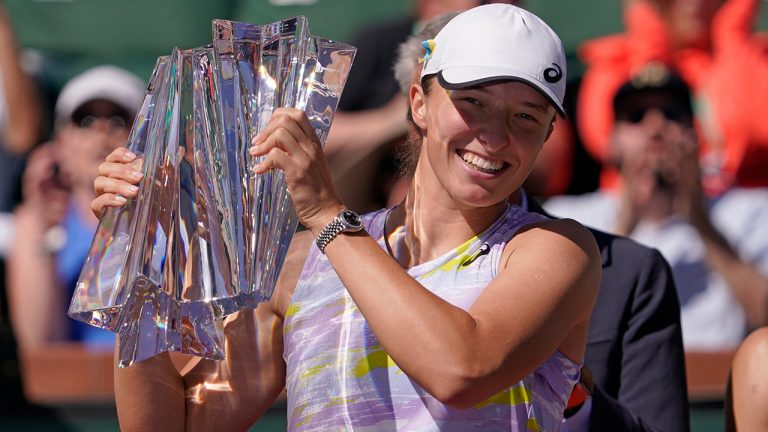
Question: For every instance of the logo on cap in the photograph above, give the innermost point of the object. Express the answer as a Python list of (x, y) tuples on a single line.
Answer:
[(429, 46), (553, 75)]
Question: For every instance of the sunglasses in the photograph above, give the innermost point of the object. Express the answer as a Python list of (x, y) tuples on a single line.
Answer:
[(116, 120), (635, 115)]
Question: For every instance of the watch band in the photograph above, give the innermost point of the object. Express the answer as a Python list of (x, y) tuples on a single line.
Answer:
[(340, 223)]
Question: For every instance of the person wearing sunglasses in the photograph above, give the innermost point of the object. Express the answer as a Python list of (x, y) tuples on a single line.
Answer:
[(53, 225), (718, 248)]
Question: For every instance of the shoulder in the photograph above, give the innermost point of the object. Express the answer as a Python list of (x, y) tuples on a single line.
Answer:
[(561, 244), (748, 386), (561, 260), (558, 232), (754, 350), (291, 271)]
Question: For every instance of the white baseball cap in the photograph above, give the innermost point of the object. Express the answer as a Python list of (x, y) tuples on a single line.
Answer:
[(110, 83), (498, 42)]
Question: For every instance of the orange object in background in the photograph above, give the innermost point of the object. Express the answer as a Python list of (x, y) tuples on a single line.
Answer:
[(729, 80), (67, 372)]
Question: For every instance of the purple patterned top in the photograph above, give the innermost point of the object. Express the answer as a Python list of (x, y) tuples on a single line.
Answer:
[(340, 378)]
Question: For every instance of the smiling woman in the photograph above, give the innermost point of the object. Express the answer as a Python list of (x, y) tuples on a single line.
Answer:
[(452, 311), (488, 135)]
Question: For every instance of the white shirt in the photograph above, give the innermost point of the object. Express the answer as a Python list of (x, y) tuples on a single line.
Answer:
[(6, 233), (711, 317)]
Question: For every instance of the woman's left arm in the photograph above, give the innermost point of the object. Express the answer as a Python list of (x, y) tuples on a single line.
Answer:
[(540, 301)]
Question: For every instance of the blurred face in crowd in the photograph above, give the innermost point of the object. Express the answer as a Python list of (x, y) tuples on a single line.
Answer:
[(653, 129), (96, 128), (481, 142), (689, 20)]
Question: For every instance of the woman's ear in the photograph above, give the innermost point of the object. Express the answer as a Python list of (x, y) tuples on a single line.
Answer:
[(551, 128), (418, 102)]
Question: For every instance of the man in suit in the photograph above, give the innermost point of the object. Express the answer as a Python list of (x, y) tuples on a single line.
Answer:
[(634, 372)]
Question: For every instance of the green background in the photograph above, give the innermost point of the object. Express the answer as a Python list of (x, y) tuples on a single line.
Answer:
[(72, 35)]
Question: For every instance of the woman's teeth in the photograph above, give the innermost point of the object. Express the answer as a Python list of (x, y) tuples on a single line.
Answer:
[(486, 166)]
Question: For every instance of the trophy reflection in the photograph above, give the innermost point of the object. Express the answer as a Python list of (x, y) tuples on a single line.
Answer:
[(206, 237)]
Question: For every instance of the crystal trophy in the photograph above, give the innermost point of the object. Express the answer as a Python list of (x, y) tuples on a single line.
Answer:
[(206, 237)]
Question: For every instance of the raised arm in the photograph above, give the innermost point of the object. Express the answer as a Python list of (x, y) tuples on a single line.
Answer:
[(223, 395), (22, 129), (528, 311), (242, 387), (461, 357)]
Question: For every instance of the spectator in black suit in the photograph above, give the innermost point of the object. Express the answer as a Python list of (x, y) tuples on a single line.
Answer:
[(634, 362)]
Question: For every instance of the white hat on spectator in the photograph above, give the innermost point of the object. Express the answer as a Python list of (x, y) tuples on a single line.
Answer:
[(109, 83), (498, 42)]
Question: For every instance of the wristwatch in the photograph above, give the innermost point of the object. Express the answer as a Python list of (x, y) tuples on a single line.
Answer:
[(345, 221)]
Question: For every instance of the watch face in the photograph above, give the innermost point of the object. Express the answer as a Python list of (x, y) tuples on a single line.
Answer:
[(351, 218)]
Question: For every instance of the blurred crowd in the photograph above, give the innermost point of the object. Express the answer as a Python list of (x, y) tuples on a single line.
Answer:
[(668, 113)]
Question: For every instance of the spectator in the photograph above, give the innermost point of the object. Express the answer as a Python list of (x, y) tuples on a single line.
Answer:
[(711, 44), (634, 348), (20, 115), (718, 248), (54, 225)]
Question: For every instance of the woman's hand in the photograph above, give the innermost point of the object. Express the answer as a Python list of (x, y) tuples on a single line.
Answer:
[(289, 143), (117, 180)]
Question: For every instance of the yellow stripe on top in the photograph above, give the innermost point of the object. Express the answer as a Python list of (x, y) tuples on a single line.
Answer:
[(292, 309), (455, 263), (376, 359), (533, 425), (515, 395)]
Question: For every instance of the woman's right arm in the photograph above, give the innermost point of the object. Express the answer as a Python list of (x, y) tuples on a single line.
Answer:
[(207, 394)]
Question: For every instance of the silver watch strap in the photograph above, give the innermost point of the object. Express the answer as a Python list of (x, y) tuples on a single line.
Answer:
[(329, 233)]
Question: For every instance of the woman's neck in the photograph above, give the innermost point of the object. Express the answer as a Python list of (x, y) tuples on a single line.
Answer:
[(430, 223)]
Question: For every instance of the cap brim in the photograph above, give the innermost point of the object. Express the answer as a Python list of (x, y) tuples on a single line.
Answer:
[(455, 81)]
